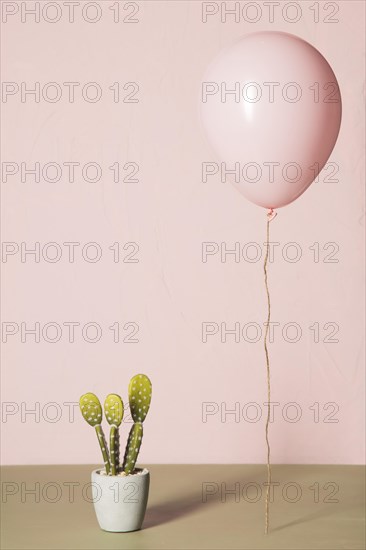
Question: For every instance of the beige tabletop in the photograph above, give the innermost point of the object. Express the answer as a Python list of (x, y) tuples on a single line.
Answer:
[(190, 507)]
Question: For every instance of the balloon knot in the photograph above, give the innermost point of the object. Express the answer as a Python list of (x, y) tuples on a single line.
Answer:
[(271, 214)]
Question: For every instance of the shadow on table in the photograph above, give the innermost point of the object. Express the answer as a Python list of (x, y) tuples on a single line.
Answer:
[(322, 513), (186, 504)]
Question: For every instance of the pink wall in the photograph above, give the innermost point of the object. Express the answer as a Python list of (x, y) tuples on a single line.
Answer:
[(169, 213)]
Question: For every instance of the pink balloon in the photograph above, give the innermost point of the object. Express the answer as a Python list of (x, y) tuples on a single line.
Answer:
[(271, 108)]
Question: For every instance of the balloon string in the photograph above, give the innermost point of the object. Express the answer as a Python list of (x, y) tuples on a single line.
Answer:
[(270, 216)]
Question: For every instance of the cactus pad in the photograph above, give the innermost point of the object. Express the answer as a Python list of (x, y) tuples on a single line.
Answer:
[(91, 409), (113, 408), (139, 393)]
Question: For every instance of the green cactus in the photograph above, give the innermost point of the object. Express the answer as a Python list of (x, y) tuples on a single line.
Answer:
[(139, 393), (91, 409), (113, 408)]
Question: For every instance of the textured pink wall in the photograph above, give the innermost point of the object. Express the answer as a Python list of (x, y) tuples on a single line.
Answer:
[(169, 213)]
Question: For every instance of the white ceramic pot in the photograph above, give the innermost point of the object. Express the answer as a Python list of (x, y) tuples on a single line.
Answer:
[(120, 502)]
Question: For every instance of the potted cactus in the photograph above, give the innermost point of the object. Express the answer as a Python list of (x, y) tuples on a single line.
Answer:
[(120, 490)]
